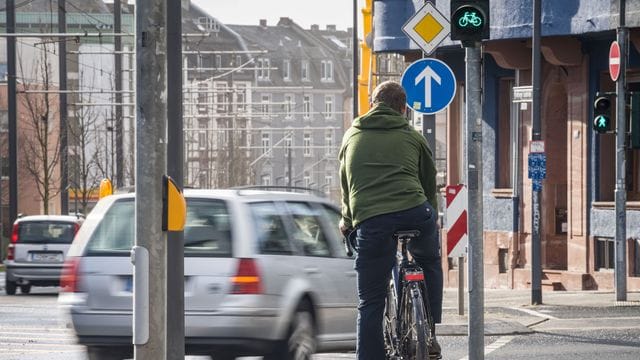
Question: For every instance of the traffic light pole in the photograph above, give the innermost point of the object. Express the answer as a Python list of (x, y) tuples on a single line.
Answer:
[(473, 119), (150, 253), (536, 211), (620, 190)]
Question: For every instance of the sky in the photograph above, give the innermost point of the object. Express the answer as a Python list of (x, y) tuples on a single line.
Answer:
[(303, 12)]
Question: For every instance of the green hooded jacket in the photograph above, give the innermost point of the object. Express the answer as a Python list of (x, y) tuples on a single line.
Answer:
[(385, 166)]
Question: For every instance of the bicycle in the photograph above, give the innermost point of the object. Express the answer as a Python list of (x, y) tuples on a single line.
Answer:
[(407, 323)]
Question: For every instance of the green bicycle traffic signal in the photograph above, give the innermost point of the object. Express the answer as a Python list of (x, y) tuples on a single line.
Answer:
[(469, 21)]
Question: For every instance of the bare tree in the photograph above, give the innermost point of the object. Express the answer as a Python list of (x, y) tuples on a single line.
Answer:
[(40, 143), (85, 163)]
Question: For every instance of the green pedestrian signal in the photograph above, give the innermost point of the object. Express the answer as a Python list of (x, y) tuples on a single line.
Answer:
[(602, 114), (469, 21)]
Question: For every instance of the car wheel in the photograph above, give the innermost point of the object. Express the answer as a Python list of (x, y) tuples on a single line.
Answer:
[(301, 339), (107, 353), (25, 289), (10, 287)]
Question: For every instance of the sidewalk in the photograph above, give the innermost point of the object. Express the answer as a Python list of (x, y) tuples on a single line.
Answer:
[(509, 312)]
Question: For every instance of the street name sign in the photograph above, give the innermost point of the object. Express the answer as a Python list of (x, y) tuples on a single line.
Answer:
[(614, 61), (522, 94), (427, 28), (430, 85)]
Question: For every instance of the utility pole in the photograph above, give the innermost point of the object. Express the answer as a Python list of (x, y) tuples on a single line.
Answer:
[(473, 118), (175, 161), (117, 42), (150, 251), (621, 187), (62, 75), (356, 61), (536, 210), (12, 112)]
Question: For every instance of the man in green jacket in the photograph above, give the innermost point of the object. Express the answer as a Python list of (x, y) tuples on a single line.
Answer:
[(388, 181)]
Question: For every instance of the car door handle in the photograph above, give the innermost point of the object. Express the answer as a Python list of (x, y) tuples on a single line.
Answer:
[(351, 273), (311, 270)]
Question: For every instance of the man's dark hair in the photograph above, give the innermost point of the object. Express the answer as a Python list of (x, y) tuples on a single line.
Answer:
[(391, 94)]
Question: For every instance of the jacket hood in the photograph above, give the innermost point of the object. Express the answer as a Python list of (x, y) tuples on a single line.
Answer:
[(380, 117)]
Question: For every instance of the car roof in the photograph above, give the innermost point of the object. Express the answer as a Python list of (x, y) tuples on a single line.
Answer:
[(68, 218), (245, 195)]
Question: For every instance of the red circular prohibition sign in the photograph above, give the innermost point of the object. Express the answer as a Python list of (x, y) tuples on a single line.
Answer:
[(614, 61)]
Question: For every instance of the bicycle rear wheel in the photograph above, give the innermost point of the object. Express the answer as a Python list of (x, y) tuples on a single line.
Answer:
[(389, 323), (413, 325)]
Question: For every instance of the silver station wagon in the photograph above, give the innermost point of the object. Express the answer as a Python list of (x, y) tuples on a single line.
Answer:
[(37, 250), (265, 274)]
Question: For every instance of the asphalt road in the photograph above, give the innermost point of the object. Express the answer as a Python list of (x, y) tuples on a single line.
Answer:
[(33, 328)]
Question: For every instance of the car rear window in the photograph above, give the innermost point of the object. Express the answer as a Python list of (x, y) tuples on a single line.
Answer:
[(207, 230), (45, 232)]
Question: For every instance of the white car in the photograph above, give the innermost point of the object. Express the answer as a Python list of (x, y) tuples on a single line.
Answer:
[(37, 250), (265, 274)]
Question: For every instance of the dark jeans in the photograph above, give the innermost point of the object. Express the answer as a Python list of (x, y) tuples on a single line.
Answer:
[(375, 259)]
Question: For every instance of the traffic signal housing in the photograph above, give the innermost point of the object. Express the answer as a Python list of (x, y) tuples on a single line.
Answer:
[(602, 114), (469, 21)]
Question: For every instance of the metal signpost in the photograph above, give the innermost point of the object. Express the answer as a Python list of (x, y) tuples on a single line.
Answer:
[(621, 133)]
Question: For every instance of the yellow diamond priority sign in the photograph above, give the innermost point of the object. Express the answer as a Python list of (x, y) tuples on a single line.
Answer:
[(427, 28)]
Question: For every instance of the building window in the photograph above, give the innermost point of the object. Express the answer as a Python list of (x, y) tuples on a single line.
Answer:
[(288, 145), (605, 253), (265, 144), (306, 144), (238, 63), (306, 106), (265, 180), (202, 136), (305, 71), (4, 169), (307, 179), (328, 107), (221, 97), (241, 97), (4, 121), (219, 61), (265, 105), (286, 70), (328, 182), (505, 135), (326, 70), (263, 70), (328, 142), (288, 106)]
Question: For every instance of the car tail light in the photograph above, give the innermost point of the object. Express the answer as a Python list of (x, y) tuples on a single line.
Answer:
[(414, 276), (10, 252), (14, 234), (247, 279), (76, 227), (69, 277)]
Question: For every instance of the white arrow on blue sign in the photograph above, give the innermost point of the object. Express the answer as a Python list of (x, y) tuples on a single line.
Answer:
[(430, 85)]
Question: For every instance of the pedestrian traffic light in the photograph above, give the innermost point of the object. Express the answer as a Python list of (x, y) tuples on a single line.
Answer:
[(602, 114), (469, 21), (635, 121)]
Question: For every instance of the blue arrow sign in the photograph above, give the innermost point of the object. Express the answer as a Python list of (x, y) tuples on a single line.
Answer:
[(430, 85)]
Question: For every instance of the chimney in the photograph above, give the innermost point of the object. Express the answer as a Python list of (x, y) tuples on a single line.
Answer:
[(331, 28), (285, 21), (263, 22), (315, 27)]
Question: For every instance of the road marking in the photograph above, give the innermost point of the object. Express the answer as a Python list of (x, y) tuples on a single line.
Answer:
[(502, 341), (535, 313)]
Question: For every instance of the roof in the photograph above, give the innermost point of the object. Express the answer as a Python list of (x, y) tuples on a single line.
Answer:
[(51, 6)]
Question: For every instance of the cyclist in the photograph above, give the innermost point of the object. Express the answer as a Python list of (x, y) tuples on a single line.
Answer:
[(387, 176)]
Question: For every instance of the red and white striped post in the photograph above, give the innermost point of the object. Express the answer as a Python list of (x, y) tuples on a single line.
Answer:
[(457, 239)]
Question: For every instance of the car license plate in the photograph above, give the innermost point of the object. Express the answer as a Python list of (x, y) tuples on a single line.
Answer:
[(47, 257)]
